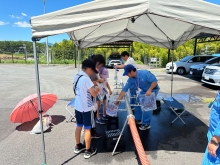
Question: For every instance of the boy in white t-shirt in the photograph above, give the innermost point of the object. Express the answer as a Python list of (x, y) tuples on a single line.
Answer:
[(84, 89)]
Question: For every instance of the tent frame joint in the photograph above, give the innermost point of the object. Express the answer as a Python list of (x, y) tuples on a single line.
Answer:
[(35, 39)]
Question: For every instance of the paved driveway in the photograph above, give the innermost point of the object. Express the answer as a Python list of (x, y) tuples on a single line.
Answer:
[(164, 144)]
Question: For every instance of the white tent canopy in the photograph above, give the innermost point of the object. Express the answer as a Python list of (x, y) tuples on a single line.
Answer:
[(156, 22), (164, 23)]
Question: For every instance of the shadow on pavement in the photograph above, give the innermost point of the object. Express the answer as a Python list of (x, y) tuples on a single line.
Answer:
[(28, 126)]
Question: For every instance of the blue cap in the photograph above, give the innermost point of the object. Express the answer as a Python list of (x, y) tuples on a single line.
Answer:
[(128, 68)]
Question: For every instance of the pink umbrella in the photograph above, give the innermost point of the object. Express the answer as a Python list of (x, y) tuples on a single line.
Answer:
[(27, 109)]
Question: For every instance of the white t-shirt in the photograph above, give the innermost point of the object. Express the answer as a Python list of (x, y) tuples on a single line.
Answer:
[(83, 100), (131, 61)]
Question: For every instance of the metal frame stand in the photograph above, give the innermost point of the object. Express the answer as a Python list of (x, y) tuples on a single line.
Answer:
[(129, 115), (116, 145), (72, 116)]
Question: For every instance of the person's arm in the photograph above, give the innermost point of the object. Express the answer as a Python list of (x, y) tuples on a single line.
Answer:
[(120, 66), (100, 80), (215, 141), (94, 92), (152, 86), (121, 95), (109, 88), (124, 90)]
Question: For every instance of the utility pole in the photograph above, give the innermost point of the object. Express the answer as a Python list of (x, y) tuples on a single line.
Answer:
[(47, 53), (25, 51)]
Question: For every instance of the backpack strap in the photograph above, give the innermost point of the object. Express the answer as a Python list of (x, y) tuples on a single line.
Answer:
[(74, 89)]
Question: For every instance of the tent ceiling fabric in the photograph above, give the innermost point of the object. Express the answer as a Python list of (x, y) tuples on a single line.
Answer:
[(156, 22)]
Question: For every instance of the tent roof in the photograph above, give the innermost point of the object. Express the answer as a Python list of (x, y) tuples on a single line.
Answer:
[(156, 22)]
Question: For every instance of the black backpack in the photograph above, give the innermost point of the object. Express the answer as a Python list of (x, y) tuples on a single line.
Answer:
[(74, 86)]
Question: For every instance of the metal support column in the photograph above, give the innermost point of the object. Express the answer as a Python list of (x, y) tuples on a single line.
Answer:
[(172, 69), (79, 54), (39, 98), (195, 46), (168, 56)]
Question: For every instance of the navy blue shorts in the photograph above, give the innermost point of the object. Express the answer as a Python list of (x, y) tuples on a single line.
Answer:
[(97, 98), (84, 119)]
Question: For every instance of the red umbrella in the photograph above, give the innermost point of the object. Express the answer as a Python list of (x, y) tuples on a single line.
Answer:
[(27, 109)]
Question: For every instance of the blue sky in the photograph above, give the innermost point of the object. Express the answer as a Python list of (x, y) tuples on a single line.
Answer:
[(15, 16)]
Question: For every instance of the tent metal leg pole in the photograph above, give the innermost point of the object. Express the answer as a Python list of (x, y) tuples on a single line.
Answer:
[(116, 145), (79, 54), (39, 99), (172, 74)]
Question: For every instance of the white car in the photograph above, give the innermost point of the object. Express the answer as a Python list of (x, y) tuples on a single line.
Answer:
[(211, 75), (183, 66)]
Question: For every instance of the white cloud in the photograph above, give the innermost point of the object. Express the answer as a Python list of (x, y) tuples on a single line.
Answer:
[(25, 15), (3, 23), (23, 24), (18, 17), (12, 16)]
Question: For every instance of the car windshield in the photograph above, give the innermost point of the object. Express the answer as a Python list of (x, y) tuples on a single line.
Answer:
[(115, 56), (185, 59), (213, 60)]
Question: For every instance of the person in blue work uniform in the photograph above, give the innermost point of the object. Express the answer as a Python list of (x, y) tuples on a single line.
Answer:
[(144, 81), (212, 153)]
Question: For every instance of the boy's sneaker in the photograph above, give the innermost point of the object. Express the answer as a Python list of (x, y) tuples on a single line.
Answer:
[(144, 127), (79, 148), (138, 122), (100, 121), (96, 136), (90, 152), (104, 118)]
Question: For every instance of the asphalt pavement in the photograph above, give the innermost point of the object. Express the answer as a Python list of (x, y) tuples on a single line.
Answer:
[(164, 143)]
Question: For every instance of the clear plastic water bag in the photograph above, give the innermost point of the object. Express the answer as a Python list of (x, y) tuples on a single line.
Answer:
[(111, 109), (148, 103)]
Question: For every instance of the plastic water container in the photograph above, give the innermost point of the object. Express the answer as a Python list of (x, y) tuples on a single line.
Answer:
[(111, 109), (148, 103)]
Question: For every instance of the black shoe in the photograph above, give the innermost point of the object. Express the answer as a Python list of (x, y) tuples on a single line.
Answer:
[(96, 136), (100, 121), (104, 118), (79, 148), (90, 152), (138, 122), (144, 127)]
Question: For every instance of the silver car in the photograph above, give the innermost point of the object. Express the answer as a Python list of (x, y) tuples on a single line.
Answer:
[(211, 75)]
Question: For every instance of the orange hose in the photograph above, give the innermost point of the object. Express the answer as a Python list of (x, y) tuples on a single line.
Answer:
[(137, 141)]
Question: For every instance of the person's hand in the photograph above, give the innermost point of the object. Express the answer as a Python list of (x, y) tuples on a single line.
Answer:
[(101, 80), (148, 93), (212, 149), (110, 92), (115, 67), (117, 102)]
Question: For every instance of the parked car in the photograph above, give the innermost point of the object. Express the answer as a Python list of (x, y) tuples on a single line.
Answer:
[(114, 59), (197, 70), (211, 75), (183, 66)]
